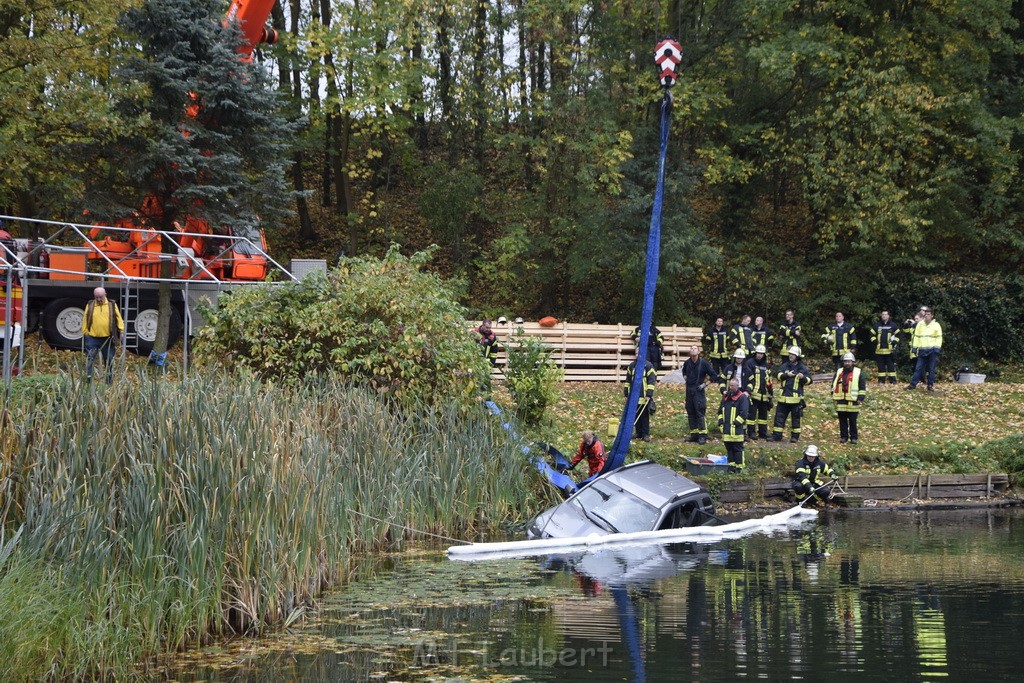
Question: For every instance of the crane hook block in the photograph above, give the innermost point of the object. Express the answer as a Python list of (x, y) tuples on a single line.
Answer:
[(667, 56)]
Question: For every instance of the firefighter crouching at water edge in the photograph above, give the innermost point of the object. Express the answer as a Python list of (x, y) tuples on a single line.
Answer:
[(793, 376), (812, 476), (928, 344), (698, 374), (759, 390), (717, 339), (102, 327), (840, 337), (645, 405), (732, 418), (592, 449), (885, 335), (848, 391)]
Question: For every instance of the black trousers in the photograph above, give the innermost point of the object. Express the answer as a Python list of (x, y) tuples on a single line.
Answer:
[(886, 368), (696, 407), (757, 420), (734, 451), (784, 410), (643, 420), (720, 365), (847, 424), (803, 490)]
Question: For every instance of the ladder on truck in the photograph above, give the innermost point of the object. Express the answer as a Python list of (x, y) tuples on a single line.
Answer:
[(129, 312)]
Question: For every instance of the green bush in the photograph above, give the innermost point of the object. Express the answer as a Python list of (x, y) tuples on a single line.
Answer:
[(383, 323), (533, 378)]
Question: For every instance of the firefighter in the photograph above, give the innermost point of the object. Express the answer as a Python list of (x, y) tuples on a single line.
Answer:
[(698, 374), (789, 333), (840, 337), (885, 335), (592, 449), (813, 476), (102, 327), (732, 418), (741, 336), (645, 406), (848, 391), (928, 346), (759, 389), (736, 370), (488, 342), (761, 334), (655, 344), (907, 335), (717, 339), (793, 376)]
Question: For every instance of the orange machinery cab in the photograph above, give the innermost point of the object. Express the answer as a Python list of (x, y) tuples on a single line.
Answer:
[(234, 260), (249, 263), (138, 256)]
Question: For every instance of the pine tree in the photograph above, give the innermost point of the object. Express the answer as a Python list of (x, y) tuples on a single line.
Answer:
[(216, 147)]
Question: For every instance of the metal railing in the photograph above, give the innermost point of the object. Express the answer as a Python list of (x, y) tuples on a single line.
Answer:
[(25, 266)]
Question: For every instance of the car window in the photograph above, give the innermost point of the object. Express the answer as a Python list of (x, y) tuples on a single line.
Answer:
[(611, 506), (680, 517)]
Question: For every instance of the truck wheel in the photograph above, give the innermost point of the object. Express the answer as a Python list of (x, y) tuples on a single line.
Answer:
[(145, 329), (62, 323)]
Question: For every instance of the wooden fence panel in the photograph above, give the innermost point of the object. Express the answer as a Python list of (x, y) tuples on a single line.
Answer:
[(597, 353)]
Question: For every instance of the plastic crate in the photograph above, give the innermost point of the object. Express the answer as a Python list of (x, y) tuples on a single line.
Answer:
[(704, 466)]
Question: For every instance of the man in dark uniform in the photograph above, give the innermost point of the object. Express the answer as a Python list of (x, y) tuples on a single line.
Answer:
[(848, 390), (655, 344), (885, 334), (761, 334), (716, 338), (789, 333), (645, 405), (732, 418), (839, 338), (759, 390), (742, 335), (698, 374), (793, 376), (812, 476)]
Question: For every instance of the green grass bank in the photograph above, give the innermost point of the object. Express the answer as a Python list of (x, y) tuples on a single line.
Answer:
[(143, 517)]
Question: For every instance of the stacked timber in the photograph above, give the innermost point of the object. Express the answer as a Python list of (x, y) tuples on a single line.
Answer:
[(597, 353), (880, 487)]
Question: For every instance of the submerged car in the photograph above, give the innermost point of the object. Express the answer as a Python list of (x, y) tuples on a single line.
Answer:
[(643, 496)]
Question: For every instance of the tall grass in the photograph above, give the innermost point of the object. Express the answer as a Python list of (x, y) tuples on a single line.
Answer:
[(176, 512)]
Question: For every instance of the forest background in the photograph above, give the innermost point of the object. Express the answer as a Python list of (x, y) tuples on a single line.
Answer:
[(825, 155)]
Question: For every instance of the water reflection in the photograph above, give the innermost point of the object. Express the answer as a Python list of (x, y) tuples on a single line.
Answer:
[(858, 597)]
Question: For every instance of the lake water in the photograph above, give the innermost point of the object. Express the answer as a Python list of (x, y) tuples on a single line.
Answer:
[(854, 596)]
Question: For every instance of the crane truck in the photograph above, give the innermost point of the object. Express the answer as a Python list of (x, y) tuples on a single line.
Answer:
[(127, 258)]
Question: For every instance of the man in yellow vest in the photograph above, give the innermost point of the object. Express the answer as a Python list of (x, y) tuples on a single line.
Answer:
[(927, 343), (848, 390), (102, 328)]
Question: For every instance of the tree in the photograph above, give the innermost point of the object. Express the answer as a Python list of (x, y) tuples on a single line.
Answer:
[(216, 147)]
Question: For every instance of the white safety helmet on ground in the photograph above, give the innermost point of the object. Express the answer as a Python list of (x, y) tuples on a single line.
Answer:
[(795, 350), (848, 356), (519, 321), (739, 353), (760, 349), (811, 451), (502, 320)]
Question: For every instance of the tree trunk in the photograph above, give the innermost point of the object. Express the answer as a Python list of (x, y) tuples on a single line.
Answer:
[(291, 80)]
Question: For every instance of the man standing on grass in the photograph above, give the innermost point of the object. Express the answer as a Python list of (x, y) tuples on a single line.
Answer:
[(717, 339), (840, 337), (793, 375), (884, 337), (848, 390), (102, 328), (928, 345), (732, 418), (645, 404), (698, 374)]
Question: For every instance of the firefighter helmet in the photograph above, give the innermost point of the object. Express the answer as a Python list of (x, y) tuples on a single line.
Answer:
[(811, 451), (848, 356), (795, 351), (760, 349), (739, 353)]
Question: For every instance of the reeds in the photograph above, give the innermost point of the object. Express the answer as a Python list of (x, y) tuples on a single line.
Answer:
[(176, 512)]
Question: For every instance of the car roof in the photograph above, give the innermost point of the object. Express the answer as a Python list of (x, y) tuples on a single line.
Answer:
[(651, 482)]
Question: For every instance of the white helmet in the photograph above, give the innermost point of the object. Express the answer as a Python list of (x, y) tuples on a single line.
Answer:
[(760, 349), (502, 320), (739, 353), (848, 356), (795, 350), (811, 451)]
